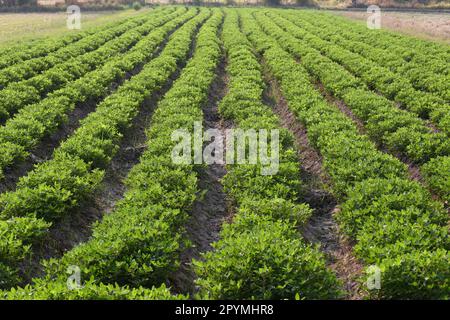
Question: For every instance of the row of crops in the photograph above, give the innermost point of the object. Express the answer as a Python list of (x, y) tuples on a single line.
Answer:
[(397, 129), (396, 223), (395, 88)]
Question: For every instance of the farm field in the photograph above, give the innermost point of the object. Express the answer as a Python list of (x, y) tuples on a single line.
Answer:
[(119, 177), (29, 27), (429, 26)]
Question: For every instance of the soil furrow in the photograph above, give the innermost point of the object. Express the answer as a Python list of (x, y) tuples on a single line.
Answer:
[(212, 207), (321, 228), (75, 228), (414, 172), (44, 150)]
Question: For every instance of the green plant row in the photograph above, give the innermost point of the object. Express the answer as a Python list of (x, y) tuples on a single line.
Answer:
[(11, 55), (42, 289), (398, 130), (23, 132), (412, 50), (392, 86), (57, 186), (260, 254), (16, 54), (33, 67), (396, 224), (138, 244), (18, 95), (418, 74)]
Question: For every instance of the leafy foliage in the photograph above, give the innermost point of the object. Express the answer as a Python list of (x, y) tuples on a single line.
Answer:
[(55, 187), (258, 258), (57, 290), (395, 222)]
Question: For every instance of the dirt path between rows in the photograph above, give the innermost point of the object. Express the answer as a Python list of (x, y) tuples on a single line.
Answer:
[(414, 172), (321, 228), (212, 207)]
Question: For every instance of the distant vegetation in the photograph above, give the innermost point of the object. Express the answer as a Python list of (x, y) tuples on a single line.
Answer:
[(316, 3), (60, 5), (384, 3)]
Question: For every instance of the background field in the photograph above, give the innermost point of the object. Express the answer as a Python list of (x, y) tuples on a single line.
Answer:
[(408, 4), (28, 27)]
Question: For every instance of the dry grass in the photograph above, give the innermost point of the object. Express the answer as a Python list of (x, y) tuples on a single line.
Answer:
[(422, 25), (385, 3), (25, 27)]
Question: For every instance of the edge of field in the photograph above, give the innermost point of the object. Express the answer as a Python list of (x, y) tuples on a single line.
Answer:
[(21, 28), (417, 24)]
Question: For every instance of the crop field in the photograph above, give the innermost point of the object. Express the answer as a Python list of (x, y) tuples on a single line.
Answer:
[(28, 27), (119, 177)]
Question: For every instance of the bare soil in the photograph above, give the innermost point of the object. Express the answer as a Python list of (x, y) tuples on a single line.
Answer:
[(422, 25)]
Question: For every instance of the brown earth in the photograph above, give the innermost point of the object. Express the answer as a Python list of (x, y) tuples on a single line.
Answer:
[(429, 26)]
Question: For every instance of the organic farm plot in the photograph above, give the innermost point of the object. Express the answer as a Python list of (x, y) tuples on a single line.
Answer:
[(350, 201)]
